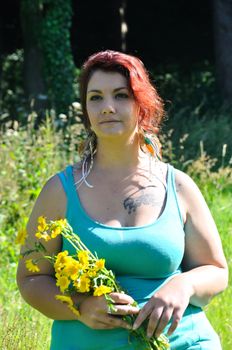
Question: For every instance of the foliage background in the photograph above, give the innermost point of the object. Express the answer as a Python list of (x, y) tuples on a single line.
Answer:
[(32, 154), (36, 143)]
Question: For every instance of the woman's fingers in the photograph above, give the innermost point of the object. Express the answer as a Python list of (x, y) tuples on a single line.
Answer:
[(96, 314), (121, 298), (116, 322), (176, 317), (143, 314), (159, 316), (154, 320), (123, 310), (157, 323)]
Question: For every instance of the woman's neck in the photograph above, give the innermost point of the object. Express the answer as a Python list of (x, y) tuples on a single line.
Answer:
[(117, 154)]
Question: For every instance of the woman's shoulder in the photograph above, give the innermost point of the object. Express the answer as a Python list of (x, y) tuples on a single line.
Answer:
[(52, 185), (52, 197), (188, 191), (183, 181)]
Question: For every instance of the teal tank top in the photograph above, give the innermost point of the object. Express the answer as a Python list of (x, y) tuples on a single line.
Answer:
[(143, 258)]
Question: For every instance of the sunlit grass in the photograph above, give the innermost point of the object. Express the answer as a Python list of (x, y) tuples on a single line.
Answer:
[(22, 328), (219, 310), (29, 158)]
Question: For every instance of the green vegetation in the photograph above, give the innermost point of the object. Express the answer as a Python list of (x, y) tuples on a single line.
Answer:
[(46, 28), (196, 115), (196, 129)]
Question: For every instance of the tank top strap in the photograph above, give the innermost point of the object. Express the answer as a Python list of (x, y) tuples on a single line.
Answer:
[(172, 194)]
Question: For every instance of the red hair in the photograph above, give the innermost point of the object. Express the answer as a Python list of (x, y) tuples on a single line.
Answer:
[(150, 104)]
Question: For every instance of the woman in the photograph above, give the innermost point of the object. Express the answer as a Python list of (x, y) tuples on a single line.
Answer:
[(147, 219)]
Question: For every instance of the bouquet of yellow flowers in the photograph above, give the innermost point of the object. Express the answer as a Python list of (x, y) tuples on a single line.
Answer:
[(82, 272)]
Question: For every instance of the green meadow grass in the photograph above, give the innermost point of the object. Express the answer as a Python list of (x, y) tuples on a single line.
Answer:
[(30, 158), (219, 311)]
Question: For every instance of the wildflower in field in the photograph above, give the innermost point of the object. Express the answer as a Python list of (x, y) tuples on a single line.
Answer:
[(21, 236), (31, 266)]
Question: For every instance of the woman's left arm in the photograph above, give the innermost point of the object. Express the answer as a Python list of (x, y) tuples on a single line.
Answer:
[(204, 264), (205, 271)]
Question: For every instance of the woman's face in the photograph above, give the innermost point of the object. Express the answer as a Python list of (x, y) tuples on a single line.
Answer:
[(111, 107)]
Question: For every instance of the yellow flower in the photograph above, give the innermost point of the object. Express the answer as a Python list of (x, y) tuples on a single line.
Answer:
[(58, 274), (61, 259), (44, 236), (68, 300), (100, 264), (62, 223), (21, 236), (65, 299), (55, 231), (91, 273), (83, 284), (62, 282), (42, 224), (101, 290), (83, 257), (72, 268), (58, 269), (74, 310), (31, 266), (57, 227)]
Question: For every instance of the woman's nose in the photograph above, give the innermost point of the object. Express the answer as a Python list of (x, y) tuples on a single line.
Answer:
[(108, 108)]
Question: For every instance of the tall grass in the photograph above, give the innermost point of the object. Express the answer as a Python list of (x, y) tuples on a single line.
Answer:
[(30, 157), (196, 111), (217, 190), (196, 138)]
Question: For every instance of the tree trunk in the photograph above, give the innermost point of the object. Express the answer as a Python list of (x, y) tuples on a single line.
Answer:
[(1, 55), (33, 74), (223, 46)]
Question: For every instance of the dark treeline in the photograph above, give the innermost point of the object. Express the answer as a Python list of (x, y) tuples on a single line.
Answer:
[(158, 31), (181, 33)]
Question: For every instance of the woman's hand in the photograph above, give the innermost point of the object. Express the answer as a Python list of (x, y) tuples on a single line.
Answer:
[(95, 311), (168, 303)]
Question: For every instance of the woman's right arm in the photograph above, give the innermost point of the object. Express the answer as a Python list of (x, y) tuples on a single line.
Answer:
[(39, 289)]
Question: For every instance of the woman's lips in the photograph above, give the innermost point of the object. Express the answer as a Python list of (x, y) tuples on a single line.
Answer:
[(110, 121)]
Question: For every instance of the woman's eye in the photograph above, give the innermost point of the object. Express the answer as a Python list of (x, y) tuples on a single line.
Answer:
[(95, 97), (122, 95)]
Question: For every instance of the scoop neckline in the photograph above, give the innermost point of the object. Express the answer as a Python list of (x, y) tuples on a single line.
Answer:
[(122, 227)]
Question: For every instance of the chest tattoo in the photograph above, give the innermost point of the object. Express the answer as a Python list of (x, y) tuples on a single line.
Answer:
[(131, 204)]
